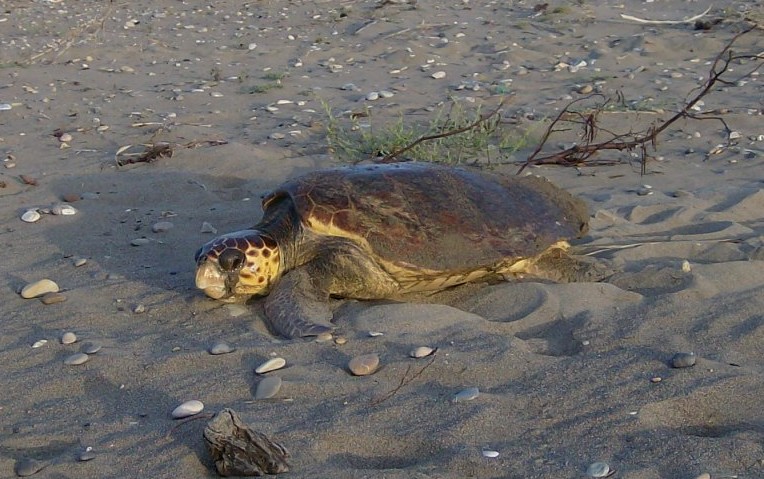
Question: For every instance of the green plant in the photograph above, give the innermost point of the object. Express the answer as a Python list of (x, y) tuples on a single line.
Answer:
[(356, 137)]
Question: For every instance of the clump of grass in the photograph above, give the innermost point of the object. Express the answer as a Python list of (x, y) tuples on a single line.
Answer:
[(274, 82), (356, 137)]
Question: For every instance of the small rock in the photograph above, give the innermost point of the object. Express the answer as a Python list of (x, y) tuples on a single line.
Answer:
[(140, 241), (271, 365), (489, 453), (86, 455), (386, 94), (340, 340), (139, 309), (686, 266), (324, 337), (705, 475), (68, 338), (76, 359), (221, 348), (349, 87), (28, 467), (91, 348), (30, 216), (40, 343), (683, 360), (364, 365), (268, 387), (208, 228), (77, 262), (439, 75), (466, 395), (188, 408), (277, 136), (585, 89), (372, 95), (65, 138), (70, 197), (421, 352), (52, 298), (162, 226), (376, 334), (38, 288), (598, 469), (734, 135)]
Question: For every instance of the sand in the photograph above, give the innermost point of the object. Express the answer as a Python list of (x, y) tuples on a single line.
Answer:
[(568, 374)]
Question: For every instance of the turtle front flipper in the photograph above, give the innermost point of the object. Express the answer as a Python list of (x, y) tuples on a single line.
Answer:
[(297, 307)]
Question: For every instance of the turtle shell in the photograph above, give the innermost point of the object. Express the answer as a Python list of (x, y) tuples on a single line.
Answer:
[(422, 215)]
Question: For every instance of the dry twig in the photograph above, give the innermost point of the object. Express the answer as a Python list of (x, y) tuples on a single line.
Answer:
[(667, 22), (578, 155), (405, 381)]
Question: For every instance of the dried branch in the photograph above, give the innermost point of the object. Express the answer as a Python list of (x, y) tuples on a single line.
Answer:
[(578, 155), (390, 157), (154, 151), (667, 22), (405, 381)]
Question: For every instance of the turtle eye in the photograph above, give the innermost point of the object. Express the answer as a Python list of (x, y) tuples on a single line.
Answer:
[(231, 260)]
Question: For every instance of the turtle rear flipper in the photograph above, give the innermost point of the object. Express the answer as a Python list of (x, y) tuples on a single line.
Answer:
[(558, 265), (297, 308)]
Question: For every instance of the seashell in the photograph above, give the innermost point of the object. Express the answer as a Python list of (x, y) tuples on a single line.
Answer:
[(68, 338), (683, 360), (39, 288), (466, 394), (31, 216), (40, 343), (271, 365), (598, 469), (63, 209), (490, 453), (76, 359), (188, 408), (221, 348)]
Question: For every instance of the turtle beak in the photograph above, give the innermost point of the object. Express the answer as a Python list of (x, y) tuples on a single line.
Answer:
[(213, 281)]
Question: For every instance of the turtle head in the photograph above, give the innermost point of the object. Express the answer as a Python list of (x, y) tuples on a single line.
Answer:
[(238, 264)]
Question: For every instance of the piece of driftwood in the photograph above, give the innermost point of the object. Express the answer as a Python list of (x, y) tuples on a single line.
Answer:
[(238, 450)]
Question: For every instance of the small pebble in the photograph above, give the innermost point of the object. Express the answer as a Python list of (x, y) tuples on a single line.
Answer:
[(140, 241), (734, 135), (77, 262), (208, 228), (162, 226), (28, 467), (188, 408), (38, 288), (386, 94), (268, 387), (705, 475), (52, 298), (585, 89), (656, 379), (86, 455), (686, 267), (376, 334), (139, 309), (466, 394), (39, 344), (30, 216), (5, 106), (439, 75), (221, 348), (76, 359), (65, 138), (364, 365), (489, 453), (271, 365), (341, 340), (372, 95), (68, 338), (683, 360), (324, 337), (598, 469), (421, 352), (91, 348)]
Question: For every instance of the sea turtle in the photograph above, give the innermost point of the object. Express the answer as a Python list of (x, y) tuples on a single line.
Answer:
[(381, 231)]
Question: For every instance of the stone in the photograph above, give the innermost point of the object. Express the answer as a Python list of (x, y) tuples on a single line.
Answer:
[(221, 348), (162, 227), (489, 453), (39, 288), (63, 209), (140, 241), (421, 352), (31, 216), (598, 469), (52, 298), (76, 359), (683, 360), (268, 387), (439, 75), (91, 348), (364, 365), (187, 409), (28, 467), (68, 338), (271, 365), (467, 394), (77, 262)]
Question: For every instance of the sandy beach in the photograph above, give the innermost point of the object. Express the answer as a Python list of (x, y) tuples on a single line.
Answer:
[(568, 374)]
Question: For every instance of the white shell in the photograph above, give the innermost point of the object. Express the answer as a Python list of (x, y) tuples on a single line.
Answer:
[(63, 209), (489, 453), (40, 343), (686, 267), (268, 387), (466, 394), (30, 216), (76, 359), (364, 365), (598, 469), (38, 288), (188, 408), (271, 365), (439, 75), (68, 338), (376, 334)]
